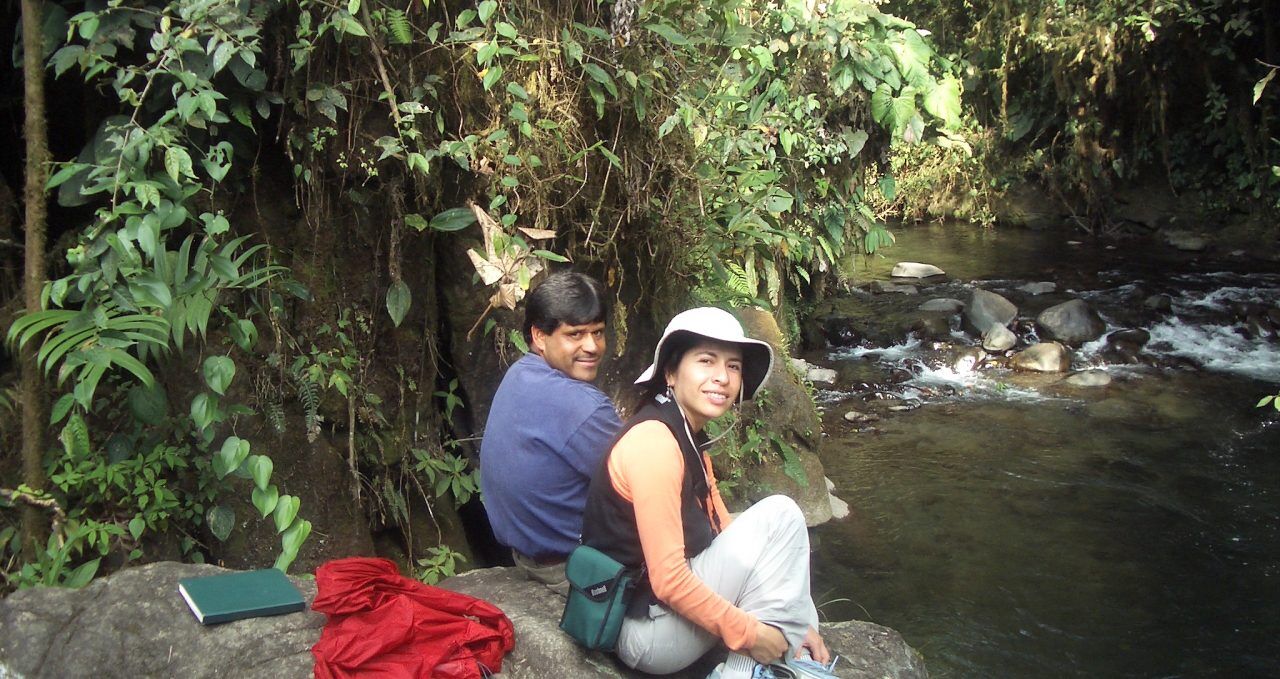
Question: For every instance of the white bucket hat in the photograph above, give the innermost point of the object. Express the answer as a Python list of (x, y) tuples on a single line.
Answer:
[(719, 325)]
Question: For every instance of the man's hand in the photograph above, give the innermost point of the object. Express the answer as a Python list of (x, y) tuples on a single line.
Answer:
[(770, 644), (816, 646)]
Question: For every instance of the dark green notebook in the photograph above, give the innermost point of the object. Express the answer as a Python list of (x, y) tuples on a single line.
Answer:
[(243, 594)]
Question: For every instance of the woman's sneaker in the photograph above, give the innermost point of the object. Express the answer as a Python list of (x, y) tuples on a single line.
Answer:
[(803, 668)]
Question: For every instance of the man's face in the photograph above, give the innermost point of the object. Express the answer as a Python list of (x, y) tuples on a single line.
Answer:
[(574, 350)]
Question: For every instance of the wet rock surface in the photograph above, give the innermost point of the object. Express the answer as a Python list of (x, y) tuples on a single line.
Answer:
[(1046, 357), (986, 308), (1072, 322)]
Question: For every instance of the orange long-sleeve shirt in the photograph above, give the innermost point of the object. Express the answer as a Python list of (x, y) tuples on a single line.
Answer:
[(646, 468)]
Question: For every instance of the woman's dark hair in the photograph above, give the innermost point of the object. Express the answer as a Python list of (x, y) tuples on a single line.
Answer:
[(673, 350), (568, 297)]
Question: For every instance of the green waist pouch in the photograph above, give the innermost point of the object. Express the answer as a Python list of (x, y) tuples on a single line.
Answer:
[(600, 590)]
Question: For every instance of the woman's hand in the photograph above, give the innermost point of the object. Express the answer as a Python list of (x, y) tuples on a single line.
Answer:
[(816, 646), (770, 644)]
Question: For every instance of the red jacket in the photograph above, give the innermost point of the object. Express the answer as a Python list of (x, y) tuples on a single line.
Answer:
[(386, 625)]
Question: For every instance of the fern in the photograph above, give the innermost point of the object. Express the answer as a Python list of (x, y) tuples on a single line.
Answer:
[(398, 26), (737, 280), (274, 412), (310, 397)]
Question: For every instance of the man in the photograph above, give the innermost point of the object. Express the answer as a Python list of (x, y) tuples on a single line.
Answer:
[(549, 427)]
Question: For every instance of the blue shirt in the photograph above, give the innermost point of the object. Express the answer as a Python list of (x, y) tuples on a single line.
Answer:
[(544, 439)]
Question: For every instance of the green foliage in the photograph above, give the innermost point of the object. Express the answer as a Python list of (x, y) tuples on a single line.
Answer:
[(62, 563), (1086, 95), (747, 441), (447, 474), (441, 563), (156, 265)]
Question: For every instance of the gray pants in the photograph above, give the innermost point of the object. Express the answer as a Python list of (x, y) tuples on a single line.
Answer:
[(551, 575), (760, 563)]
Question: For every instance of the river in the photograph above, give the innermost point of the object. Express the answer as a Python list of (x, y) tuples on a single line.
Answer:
[(1011, 527)]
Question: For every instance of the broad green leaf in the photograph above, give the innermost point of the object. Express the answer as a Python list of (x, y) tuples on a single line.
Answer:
[(668, 124), (778, 201), (943, 101), (491, 77), (260, 467), (265, 500), (244, 333), (515, 89), (148, 404), (63, 406), (82, 574), (670, 34), (547, 254), (136, 525), (597, 74), (398, 301), (485, 10), (485, 53), (203, 410), (506, 30), (286, 509), (221, 519), (347, 24), (218, 373), (293, 538), (177, 163), (230, 456), (882, 105), (147, 290), (453, 219)]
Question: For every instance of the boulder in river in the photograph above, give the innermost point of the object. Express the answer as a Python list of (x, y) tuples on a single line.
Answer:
[(1072, 322), (1089, 378), (1159, 302), (1125, 346), (930, 325), (986, 308), (841, 332), (857, 417), (1185, 240), (998, 338), (966, 359), (134, 623), (1133, 337), (811, 372), (882, 287), (1045, 357), (945, 304), (1038, 288), (915, 270)]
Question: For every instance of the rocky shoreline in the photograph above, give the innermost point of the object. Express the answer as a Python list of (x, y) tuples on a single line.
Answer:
[(134, 623)]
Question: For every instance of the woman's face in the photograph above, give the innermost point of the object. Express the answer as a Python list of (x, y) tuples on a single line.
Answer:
[(707, 380)]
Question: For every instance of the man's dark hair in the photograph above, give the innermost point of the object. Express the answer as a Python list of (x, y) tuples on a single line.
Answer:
[(567, 297)]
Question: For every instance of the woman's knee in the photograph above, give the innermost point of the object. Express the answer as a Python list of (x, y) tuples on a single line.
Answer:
[(782, 506)]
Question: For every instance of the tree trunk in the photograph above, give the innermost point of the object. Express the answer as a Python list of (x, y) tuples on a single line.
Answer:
[(34, 523)]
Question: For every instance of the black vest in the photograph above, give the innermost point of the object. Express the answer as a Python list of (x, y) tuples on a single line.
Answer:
[(609, 522)]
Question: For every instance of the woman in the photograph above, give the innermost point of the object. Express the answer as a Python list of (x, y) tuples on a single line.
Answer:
[(655, 503)]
